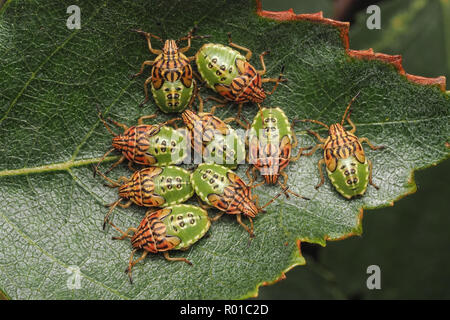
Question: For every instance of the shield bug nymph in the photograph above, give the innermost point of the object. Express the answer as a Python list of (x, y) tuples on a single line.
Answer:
[(147, 144), (214, 139), (230, 74), (221, 188), (346, 163), (152, 187), (172, 83), (173, 228), (270, 142)]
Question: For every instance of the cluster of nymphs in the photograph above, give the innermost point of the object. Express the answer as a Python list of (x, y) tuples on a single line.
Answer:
[(162, 147)]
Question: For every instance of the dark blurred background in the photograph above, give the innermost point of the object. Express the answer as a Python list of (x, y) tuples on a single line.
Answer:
[(410, 241)]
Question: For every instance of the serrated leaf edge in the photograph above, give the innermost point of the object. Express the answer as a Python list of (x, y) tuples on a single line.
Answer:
[(344, 27), (369, 54)]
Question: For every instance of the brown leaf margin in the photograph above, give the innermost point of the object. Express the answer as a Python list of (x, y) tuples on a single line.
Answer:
[(369, 54), (3, 295), (344, 27)]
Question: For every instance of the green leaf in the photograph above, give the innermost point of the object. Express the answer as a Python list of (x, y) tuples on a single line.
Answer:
[(420, 220), (52, 208)]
